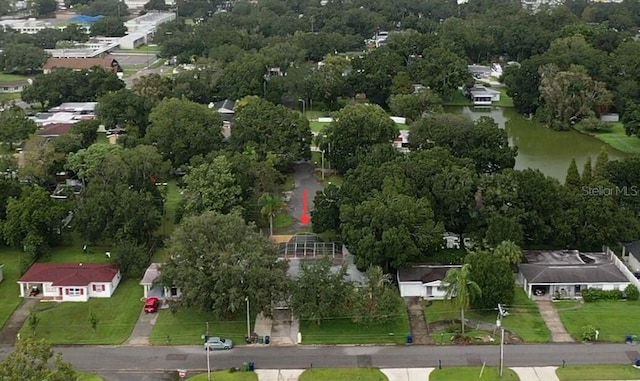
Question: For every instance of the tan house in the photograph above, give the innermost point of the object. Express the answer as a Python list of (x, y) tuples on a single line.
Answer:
[(76, 64)]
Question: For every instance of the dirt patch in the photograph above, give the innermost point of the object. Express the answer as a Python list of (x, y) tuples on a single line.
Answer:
[(443, 325)]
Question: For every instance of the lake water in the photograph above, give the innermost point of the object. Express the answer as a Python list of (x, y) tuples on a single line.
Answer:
[(540, 147)]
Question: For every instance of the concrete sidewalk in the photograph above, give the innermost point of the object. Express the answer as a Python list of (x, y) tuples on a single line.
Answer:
[(407, 374), (546, 373)]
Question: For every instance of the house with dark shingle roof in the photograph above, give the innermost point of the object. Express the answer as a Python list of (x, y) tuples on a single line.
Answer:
[(566, 273), (631, 253), (424, 281), (70, 282)]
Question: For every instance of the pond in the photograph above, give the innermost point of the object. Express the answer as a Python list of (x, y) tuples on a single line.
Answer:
[(540, 147)]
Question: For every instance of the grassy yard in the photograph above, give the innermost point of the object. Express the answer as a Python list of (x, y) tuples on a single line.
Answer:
[(8, 97), (618, 139), (189, 324), (505, 100), (524, 318), (614, 319), (334, 179), (72, 252), (317, 114), (318, 126), (173, 198), (82, 376), (597, 372), (225, 375), (9, 292), (345, 331), (458, 99), (102, 138), (68, 323), (472, 374), (343, 374), (283, 220), (11, 77)]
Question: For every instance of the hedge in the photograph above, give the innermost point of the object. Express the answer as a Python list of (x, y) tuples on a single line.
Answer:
[(595, 295)]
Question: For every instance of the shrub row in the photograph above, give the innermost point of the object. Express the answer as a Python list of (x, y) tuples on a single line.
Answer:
[(594, 294)]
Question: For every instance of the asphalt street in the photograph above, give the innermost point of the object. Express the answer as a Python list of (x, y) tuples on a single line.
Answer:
[(148, 363)]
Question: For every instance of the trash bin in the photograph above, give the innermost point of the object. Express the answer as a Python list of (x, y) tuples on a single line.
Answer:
[(409, 339), (245, 366), (260, 339), (252, 366), (267, 339), (629, 339)]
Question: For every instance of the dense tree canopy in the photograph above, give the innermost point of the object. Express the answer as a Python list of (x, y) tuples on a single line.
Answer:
[(219, 260), (182, 129)]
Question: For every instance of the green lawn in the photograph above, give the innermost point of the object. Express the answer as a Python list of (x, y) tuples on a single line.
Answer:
[(345, 331), (82, 376), (225, 375), (333, 179), (472, 374), (9, 292), (72, 252), (189, 324), (618, 139), (317, 114), (11, 77), (505, 100), (343, 374), (458, 99), (283, 220), (68, 323), (102, 138), (173, 198), (4, 98), (318, 126), (597, 372), (524, 318), (614, 319)]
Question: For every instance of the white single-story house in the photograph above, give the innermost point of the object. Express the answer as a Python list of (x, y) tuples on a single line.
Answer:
[(153, 289), (70, 282), (483, 96), (565, 273), (424, 281)]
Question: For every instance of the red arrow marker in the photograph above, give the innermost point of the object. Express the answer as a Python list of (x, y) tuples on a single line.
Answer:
[(305, 219)]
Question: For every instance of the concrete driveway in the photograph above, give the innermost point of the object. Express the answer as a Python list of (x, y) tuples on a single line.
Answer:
[(305, 179)]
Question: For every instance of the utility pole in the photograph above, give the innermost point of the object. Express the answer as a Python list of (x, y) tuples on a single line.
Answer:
[(501, 314), (208, 365), (248, 319)]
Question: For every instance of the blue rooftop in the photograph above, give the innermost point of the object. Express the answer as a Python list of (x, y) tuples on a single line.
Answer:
[(86, 19)]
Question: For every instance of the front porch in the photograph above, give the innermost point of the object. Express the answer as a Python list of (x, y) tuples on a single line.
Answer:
[(555, 291)]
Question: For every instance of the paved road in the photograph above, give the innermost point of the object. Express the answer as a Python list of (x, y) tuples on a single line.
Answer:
[(304, 178), (108, 359)]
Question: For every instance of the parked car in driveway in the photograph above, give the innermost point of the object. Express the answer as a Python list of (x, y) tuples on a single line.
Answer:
[(151, 305), (214, 343)]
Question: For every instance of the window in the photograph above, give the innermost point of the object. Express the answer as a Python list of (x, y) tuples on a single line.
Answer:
[(98, 287), (75, 291)]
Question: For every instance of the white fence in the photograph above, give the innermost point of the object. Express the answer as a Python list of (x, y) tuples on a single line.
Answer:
[(622, 267)]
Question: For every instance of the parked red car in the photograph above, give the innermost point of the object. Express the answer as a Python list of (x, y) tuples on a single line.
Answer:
[(151, 305)]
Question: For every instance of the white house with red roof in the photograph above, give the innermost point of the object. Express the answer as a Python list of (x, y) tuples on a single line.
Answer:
[(70, 282)]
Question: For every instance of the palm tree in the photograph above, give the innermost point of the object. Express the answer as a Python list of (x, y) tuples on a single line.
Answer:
[(460, 289), (271, 205)]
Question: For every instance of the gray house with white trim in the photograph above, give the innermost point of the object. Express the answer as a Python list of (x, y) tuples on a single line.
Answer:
[(565, 273)]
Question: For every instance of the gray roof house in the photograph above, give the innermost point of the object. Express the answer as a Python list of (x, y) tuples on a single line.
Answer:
[(565, 273), (152, 289), (424, 281), (631, 254)]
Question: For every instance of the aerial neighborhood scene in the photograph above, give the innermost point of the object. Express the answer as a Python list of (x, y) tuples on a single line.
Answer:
[(281, 190)]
